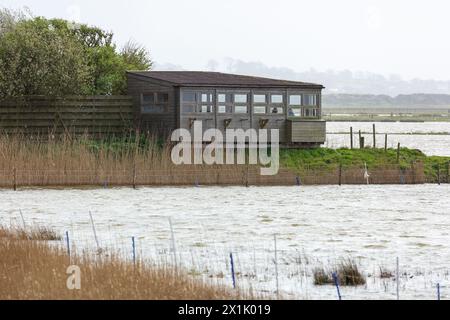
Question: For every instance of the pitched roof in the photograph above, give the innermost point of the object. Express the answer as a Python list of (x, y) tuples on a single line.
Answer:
[(203, 78)]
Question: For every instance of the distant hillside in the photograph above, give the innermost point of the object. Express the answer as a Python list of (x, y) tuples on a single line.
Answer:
[(370, 100), (335, 81)]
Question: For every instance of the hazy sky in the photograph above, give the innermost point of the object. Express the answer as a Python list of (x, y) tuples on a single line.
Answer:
[(408, 38)]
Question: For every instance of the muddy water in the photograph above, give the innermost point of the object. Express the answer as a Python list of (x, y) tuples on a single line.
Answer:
[(433, 138), (315, 226)]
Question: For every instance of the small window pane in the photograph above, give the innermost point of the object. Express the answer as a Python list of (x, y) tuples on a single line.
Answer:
[(259, 110), (162, 97), (240, 98), (276, 110), (259, 98), (222, 109), (310, 100), (189, 97), (277, 98), (294, 112), (222, 97), (295, 100), (148, 97), (206, 109), (240, 109), (188, 109), (207, 97)]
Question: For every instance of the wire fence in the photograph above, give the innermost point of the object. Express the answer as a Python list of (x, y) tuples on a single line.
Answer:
[(240, 175)]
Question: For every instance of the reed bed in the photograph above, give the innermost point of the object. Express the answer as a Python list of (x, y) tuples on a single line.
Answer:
[(34, 232), (66, 160), (143, 160), (37, 270), (347, 272)]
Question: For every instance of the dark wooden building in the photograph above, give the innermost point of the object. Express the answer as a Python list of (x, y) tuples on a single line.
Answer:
[(167, 100)]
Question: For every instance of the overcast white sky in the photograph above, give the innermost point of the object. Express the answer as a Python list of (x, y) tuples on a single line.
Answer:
[(408, 38)]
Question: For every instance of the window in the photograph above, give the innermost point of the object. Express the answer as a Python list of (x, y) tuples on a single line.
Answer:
[(225, 101), (295, 100), (311, 112), (276, 98), (189, 97), (294, 112), (240, 98), (240, 109), (207, 97), (278, 110), (259, 109), (206, 109), (224, 98), (162, 98), (310, 100), (259, 98), (223, 109), (154, 102), (148, 97)]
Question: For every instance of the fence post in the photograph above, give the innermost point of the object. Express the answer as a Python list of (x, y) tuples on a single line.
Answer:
[(133, 245), (374, 137), (398, 152), (336, 283), (438, 287), (68, 244), (397, 278), (276, 265), (340, 173), (233, 277), (385, 142), (351, 137)]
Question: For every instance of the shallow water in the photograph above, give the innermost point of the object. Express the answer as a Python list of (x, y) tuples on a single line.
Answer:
[(315, 225), (433, 138)]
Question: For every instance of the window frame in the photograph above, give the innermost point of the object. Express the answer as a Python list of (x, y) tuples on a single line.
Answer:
[(246, 104), (155, 103), (228, 103), (271, 105)]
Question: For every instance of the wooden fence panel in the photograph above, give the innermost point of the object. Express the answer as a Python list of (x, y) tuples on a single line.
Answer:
[(70, 114)]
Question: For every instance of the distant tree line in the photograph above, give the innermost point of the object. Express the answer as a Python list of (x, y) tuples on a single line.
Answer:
[(40, 56), (371, 100)]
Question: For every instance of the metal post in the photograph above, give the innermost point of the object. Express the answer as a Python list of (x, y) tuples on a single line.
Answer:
[(351, 137), (133, 245), (336, 283), (438, 291), (68, 243), (232, 271), (374, 137), (398, 279), (93, 229)]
